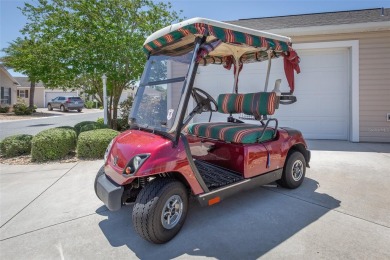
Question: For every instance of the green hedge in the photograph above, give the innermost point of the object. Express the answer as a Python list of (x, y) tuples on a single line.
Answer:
[(16, 145), (53, 144), (92, 126), (77, 127), (92, 144)]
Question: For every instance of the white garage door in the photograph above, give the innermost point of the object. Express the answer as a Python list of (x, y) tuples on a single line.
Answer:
[(322, 90), (51, 95)]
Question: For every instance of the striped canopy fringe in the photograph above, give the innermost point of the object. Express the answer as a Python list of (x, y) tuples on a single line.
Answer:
[(225, 35)]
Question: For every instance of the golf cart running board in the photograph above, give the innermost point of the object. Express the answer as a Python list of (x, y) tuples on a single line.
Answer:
[(217, 195), (214, 176)]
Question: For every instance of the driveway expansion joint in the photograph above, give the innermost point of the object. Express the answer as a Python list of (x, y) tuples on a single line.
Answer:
[(39, 195), (52, 225)]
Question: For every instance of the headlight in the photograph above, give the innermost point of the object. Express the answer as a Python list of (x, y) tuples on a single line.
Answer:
[(108, 149), (135, 163)]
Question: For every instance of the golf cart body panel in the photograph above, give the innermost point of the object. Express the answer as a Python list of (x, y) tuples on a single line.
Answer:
[(167, 154), (163, 158)]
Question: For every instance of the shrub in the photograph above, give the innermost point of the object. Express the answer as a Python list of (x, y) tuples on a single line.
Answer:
[(20, 109), (89, 104), (92, 126), (122, 124), (77, 127), (93, 144), (100, 120), (4, 109), (16, 145), (53, 144)]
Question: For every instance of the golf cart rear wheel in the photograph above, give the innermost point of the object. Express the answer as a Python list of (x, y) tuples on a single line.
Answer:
[(294, 171), (160, 210)]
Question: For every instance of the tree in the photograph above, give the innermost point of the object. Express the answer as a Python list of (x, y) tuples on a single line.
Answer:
[(28, 57), (87, 38)]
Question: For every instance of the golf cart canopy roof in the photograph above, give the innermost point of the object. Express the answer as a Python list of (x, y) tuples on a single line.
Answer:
[(226, 44), (180, 36)]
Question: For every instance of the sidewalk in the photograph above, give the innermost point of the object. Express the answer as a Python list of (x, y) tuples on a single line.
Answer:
[(341, 211)]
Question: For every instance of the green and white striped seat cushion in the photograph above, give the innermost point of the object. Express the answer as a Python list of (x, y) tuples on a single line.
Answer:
[(230, 103), (231, 132), (255, 104)]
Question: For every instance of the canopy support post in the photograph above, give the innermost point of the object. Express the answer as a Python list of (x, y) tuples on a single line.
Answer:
[(268, 69), (237, 71)]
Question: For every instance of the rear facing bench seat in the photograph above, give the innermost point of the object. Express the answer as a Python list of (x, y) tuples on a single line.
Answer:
[(256, 104), (231, 132)]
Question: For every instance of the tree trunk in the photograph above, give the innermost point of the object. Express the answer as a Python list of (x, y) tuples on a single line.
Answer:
[(115, 113), (32, 92)]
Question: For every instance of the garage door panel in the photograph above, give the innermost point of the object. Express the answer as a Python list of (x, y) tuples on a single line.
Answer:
[(322, 90), (334, 129)]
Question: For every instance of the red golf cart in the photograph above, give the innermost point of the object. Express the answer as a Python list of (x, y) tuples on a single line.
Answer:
[(172, 151)]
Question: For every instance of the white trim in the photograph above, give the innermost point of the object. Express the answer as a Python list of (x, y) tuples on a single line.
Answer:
[(233, 27), (353, 46), (332, 29)]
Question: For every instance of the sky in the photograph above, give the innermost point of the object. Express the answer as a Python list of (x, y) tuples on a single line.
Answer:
[(12, 20)]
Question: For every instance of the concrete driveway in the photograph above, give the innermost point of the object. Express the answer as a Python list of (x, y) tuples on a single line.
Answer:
[(342, 211)]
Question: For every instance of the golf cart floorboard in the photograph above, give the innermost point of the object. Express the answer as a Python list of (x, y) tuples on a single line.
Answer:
[(215, 176)]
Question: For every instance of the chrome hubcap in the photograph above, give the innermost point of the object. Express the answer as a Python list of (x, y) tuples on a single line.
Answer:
[(172, 211), (297, 170)]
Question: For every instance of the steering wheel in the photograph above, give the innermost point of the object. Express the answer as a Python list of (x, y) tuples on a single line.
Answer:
[(204, 100)]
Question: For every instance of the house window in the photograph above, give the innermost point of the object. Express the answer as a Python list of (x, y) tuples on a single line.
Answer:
[(5, 98), (23, 93)]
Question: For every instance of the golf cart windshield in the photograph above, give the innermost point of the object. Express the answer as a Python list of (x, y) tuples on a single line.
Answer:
[(158, 96)]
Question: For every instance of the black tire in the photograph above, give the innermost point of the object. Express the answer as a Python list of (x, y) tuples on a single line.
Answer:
[(294, 171), (79, 110), (99, 173), (62, 108), (149, 206), (49, 107)]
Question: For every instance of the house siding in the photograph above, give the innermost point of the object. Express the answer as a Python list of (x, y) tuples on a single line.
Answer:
[(374, 80), (39, 94)]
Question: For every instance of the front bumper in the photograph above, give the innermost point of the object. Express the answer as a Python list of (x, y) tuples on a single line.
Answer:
[(109, 192)]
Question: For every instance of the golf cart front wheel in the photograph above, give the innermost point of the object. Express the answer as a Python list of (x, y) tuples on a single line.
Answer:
[(160, 210), (294, 171)]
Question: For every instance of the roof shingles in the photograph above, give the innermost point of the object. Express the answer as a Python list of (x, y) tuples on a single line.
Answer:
[(319, 19)]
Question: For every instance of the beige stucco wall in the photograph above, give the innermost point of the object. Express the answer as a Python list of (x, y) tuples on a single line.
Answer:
[(6, 82), (374, 80), (39, 95)]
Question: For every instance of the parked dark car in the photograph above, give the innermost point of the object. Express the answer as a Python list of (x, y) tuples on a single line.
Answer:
[(66, 104)]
